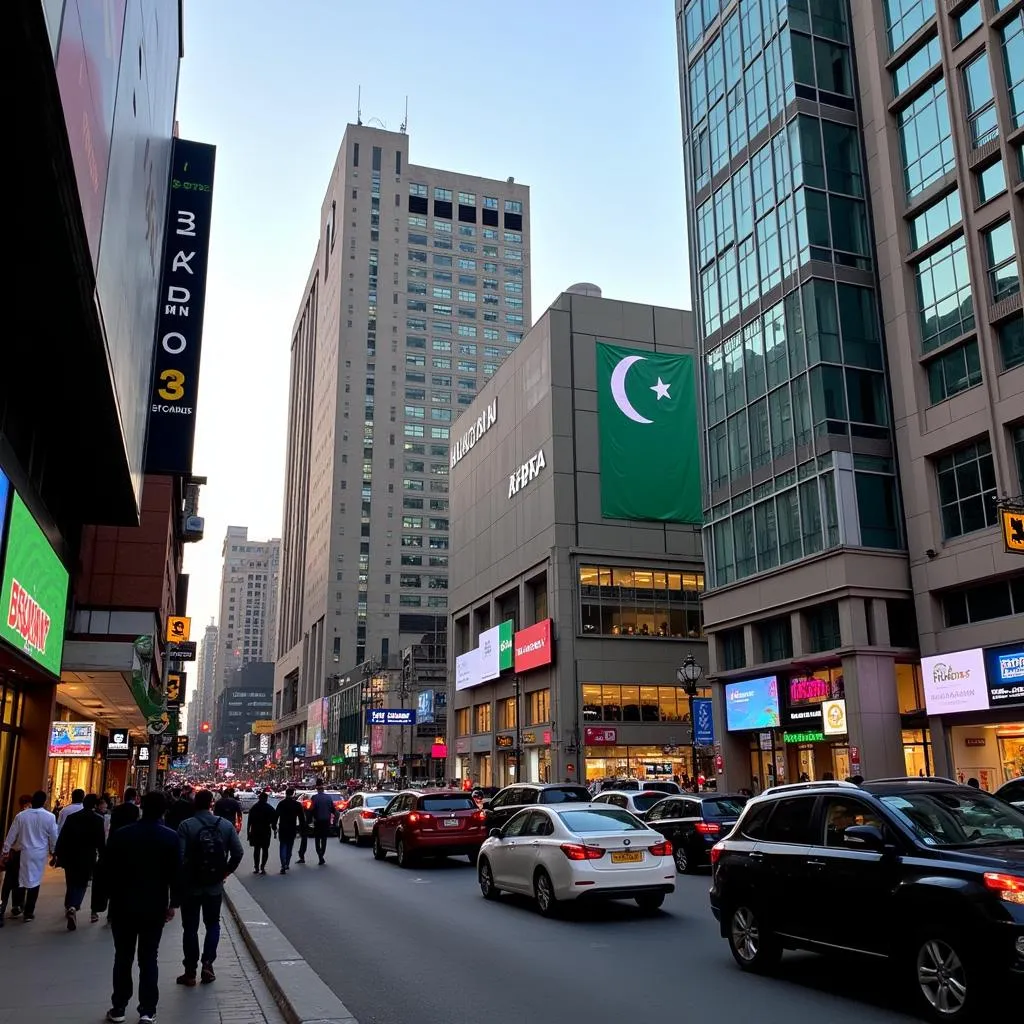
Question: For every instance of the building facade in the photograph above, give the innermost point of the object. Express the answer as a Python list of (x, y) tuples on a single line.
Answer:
[(854, 181), (247, 698), (418, 290), (201, 707), (568, 623)]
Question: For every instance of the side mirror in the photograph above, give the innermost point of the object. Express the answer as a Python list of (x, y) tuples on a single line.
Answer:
[(494, 833), (864, 837)]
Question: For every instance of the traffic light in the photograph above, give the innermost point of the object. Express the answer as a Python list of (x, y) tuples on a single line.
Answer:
[(205, 727)]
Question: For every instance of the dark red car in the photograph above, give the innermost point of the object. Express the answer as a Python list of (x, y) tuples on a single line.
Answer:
[(429, 823)]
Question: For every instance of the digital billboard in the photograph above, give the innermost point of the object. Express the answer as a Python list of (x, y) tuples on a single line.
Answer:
[(533, 646), (72, 739), (955, 682), (752, 704), (1004, 669), (5, 486)]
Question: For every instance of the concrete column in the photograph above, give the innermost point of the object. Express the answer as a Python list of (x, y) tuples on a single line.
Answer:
[(853, 622), (752, 656), (879, 623), (873, 715), (942, 762), (798, 631)]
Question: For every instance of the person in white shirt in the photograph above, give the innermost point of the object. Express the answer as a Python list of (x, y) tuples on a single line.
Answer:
[(77, 796), (34, 832)]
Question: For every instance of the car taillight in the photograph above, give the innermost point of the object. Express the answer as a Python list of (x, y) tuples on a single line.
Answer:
[(340, 805), (479, 816), (577, 851), (1009, 887), (708, 828), (367, 815), (418, 818), (662, 849), (716, 852), (306, 804)]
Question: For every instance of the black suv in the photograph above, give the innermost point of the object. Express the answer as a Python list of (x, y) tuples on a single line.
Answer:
[(921, 872), (524, 794)]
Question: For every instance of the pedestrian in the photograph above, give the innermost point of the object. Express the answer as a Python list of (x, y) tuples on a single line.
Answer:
[(182, 808), (973, 783), (211, 850), (262, 821), (77, 800), (229, 807), (13, 890), (321, 815), (78, 845), (142, 865), (34, 833), (290, 818), (103, 810), (126, 812)]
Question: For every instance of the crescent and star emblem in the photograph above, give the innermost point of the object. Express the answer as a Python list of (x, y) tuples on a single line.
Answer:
[(618, 386)]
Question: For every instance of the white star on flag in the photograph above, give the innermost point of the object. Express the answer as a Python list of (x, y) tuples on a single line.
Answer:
[(661, 389)]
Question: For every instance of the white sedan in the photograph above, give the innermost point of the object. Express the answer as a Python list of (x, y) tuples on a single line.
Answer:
[(574, 852), (357, 819)]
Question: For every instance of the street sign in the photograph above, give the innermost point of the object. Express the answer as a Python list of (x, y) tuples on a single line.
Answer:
[(175, 689), (1013, 529), (181, 650), (263, 727), (179, 629), (390, 716)]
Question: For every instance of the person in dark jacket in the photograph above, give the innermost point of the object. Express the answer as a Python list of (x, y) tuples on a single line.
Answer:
[(78, 845), (127, 812), (142, 866), (262, 821), (229, 807), (290, 817), (182, 808)]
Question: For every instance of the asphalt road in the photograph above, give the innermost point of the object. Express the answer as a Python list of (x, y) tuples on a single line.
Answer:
[(421, 945)]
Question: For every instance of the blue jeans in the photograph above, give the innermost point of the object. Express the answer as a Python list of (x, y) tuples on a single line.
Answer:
[(142, 935), (286, 851), (192, 907), (74, 891)]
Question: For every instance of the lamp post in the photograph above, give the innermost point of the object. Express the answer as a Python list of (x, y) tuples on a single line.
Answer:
[(689, 674)]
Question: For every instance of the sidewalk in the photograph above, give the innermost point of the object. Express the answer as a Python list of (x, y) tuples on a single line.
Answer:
[(50, 974)]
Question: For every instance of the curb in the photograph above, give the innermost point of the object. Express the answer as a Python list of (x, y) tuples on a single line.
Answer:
[(300, 993)]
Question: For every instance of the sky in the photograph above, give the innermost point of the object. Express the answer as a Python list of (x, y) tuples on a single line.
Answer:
[(579, 99)]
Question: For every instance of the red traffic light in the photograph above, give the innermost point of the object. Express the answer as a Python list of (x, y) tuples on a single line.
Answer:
[(205, 727)]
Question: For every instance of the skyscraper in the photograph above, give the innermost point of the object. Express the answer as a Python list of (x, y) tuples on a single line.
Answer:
[(202, 704), (854, 181), (248, 602), (419, 288)]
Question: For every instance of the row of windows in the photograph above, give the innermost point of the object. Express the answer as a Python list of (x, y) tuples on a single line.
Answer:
[(635, 703), (618, 601), (464, 198), (465, 263)]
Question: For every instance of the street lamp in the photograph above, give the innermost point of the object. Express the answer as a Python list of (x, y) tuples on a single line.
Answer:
[(689, 674)]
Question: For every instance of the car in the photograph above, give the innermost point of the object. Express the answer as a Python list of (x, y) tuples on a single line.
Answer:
[(429, 823), (634, 801), (922, 873), (340, 803), (356, 822), (500, 808), (1012, 792), (662, 786), (577, 852), (694, 823)]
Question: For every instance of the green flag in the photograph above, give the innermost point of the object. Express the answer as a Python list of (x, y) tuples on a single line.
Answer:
[(647, 425)]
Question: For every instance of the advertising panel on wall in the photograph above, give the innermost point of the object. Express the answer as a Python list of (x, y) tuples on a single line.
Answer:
[(33, 595), (179, 334), (533, 646), (119, 744), (314, 730), (488, 656), (752, 704), (72, 739), (5, 486), (955, 682), (1004, 671), (466, 671), (425, 707)]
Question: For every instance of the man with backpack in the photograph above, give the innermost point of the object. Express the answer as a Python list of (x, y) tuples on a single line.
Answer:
[(210, 850)]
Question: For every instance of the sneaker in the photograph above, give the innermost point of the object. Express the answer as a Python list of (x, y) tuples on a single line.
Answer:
[(72, 915), (94, 917), (114, 1015), (283, 871), (302, 860), (207, 975), (16, 911), (188, 979), (29, 917), (147, 1018)]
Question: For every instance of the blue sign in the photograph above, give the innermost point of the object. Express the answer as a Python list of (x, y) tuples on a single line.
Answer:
[(1004, 667), (752, 704), (5, 486), (703, 722), (425, 707), (299, 750), (390, 716)]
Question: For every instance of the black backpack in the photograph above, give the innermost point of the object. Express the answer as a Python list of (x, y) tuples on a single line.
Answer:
[(209, 855)]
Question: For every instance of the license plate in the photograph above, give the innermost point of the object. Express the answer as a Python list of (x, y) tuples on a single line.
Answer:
[(627, 856), (451, 823)]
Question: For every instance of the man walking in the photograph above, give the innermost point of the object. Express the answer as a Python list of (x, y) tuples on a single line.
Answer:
[(12, 889), (321, 814), (34, 832), (262, 821), (126, 812), (182, 808), (142, 870), (77, 800), (78, 845), (229, 807), (290, 817), (211, 850)]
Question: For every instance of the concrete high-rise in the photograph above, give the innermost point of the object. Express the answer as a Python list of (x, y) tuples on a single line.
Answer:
[(854, 186), (419, 288), (202, 704)]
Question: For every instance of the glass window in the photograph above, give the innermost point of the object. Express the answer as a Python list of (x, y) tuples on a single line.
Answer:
[(842, 158), (925, 139), (967, 21), (1012, 34), (983, 601), (967, 489), (1018, 450), (905, 17), (954, 371), (876, 509), (766, 535), (858, 316), (935, 219), (1011, 342), (920, 61), (981, 108), (991, 181), (1001, 261), (944, 295)]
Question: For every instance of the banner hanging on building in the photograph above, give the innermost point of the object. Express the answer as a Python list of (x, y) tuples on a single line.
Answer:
[(648, 435), (179, 334)]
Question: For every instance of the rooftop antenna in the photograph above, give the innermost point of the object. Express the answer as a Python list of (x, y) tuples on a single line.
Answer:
[(405, 120), (359, 105)]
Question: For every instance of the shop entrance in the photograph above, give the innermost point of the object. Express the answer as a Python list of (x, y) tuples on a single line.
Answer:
[(991, 754)]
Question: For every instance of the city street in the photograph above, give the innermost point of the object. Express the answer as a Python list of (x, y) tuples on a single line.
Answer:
[(422, 945)]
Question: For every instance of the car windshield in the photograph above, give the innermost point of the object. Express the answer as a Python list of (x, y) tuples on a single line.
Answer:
[(645, 801), (955, 818), (447, 803), (604, 819), (565, 795), (378, 800), (724, 807), (662, 787)]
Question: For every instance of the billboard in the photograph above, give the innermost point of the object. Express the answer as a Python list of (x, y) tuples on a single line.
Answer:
[(72, 739), (1004, 669), (425, 707), (119, 744), (33, 596), (5, 486), (533, 646), (752, 704), (489, 655), (182, 297), (390, 716), (955, 682), (467, 673)]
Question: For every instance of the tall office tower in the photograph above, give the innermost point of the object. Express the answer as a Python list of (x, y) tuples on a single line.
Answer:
[(418, 290), (854, 186), (248, 609), (203, 702)]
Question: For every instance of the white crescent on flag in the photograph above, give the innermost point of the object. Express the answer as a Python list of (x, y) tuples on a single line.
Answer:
[(618, 386)]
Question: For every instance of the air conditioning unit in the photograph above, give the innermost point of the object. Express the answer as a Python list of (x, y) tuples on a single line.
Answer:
[(192, 529)]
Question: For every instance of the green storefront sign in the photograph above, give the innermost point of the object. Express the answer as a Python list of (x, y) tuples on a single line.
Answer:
[(803, 737), (505, 652), (33, 596)]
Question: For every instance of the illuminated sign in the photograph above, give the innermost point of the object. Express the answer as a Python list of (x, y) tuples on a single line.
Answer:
[(180, 744), (533, 646), (1013, 529), (72, 739), (390, 716), (833, 717), (175, 689), (803, 737), (179, 629), (528, 471)]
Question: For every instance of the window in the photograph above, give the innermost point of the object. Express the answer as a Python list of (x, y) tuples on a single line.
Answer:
[(481, 718), (513, 206), (967, 489), (981, 108), (732, 652), (776, 639), (634, 703), (954, 371), (840, 814), (538, 707), (984, 601), (944, 295), (1018, 451), (1012, 34), (925, 139), (416, 189), (791, 822), (1001, 260), (991, 181), (967, 22), (914, 67), (823, 632), (618, 601), (1011, 344), (903, 18), (935, 219)]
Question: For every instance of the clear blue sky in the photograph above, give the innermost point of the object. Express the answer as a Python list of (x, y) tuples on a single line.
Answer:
[(579, 99)]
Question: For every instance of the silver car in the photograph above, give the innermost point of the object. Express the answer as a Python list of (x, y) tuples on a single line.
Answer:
[(637, 802), (356, 822)]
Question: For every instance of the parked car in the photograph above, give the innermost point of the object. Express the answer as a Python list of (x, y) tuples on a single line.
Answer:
[(923, 873), (431, 823), (499, 809), (694, 823), (565, 853), (1012, 792), (665, 786), (357, 819), (634, 801), (340, 803)]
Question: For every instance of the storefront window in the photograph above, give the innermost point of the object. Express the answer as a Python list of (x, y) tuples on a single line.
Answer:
[(507, 715), (640, 762), (618, 601), (909, 689), (617, 703), (462, 722), (481, 718), (539, 707), (917, 751), (990, 754)]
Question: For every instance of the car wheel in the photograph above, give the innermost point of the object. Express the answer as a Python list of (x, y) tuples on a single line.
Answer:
[(943, 979), (486, 879), (753, 945), (682, 859), (379, 853), (342, 838), (544, 894), (403, 856), (649, 904)]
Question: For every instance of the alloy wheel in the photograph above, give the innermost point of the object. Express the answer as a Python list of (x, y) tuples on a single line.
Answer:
[(745, 934), (682, 860), (942, 977), (486, 880), (544, 892)]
